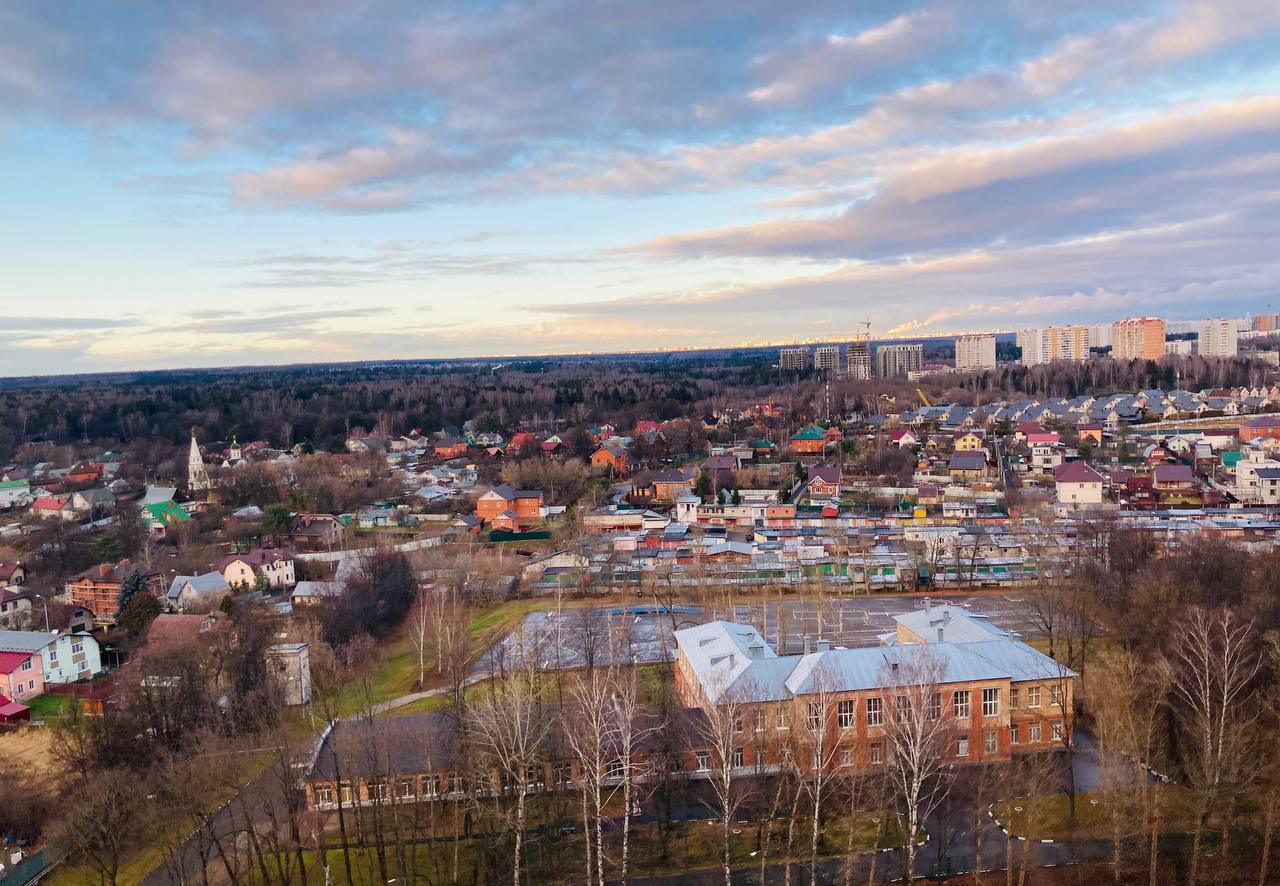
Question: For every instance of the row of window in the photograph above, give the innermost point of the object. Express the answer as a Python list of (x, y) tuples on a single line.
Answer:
[(961, 708)]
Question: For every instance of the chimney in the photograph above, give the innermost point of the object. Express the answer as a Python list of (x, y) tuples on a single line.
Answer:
[(824, 645), (946, 615), (755, 651), (940, 640), (928, 610), (806, 644)]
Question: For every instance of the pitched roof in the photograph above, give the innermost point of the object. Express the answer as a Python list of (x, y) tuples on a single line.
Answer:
[(1174, 474), (203, 585), (967, 461), (1076, 472), (827, 474), (11, 661)]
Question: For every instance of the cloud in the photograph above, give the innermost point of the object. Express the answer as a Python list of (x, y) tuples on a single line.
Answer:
[(49, 324), (274, 324)]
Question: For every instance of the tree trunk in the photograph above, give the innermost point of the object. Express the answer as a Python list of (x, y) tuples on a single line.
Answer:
[(586, 835), (1153, 862), (515, 872), (1268, 825)]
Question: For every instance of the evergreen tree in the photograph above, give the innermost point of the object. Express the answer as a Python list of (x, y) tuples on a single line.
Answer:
[(129, 588), (261, 583), (108, 549), (138, 613)]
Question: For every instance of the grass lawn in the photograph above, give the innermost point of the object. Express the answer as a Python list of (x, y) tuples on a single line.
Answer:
[(49, 706), (134, 870), (1093, 814)]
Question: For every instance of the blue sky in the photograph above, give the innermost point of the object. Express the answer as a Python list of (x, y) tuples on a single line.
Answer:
[(267, 181)]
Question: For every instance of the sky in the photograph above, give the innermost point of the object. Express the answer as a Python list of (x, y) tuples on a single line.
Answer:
[(223, 182)]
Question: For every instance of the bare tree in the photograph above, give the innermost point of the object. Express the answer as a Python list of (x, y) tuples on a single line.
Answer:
[(420, 622), (820, 753), (719, 734), (1214, 664), (509, 724), (919, 736), (588, 724)]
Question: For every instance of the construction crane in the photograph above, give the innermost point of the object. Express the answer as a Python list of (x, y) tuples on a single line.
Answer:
[(924, 401)]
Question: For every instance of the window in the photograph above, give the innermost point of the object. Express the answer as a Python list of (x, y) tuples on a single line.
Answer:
[(430, 786), (1055, 730), (377, 790), (77, 648), (989, 743), (875, 712), (1033, 696), (962, 746), (702, 761), (31, 685), (846, 758), (737, 722), (1033, 731), (53, 654), (1055, 696), (676, 764), (1013, 698), (845, 713), (1013, 733), (324, 794), (935, 706), (990, 702), (617, 769), (877, 755), (782, 717), (26, 665), (960, 704), (738, 758), (534, 775), (902, 708), (404, 790), (563, 774), (759, 720), (813, 716)]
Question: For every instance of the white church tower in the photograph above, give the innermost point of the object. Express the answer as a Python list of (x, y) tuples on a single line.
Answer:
[(197, 476)]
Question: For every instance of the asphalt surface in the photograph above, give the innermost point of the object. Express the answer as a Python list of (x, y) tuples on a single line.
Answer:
[(638, 634)]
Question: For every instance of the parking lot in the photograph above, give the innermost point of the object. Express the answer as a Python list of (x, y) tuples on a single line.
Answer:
[(640, 634)]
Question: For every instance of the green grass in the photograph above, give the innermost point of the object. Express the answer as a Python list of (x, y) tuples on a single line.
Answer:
[(50, 706)]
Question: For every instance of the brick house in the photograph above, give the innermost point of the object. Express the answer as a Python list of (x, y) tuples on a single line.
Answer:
[(98, 588), (525, 504), (670, 484), (824, 482), (1076, 482), (809, 441), (968, 465), (1260, 426), (613, 457), (450, 447)]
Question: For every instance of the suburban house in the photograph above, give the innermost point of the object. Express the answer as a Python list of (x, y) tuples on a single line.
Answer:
[(94, 503), (21, 677), (197, 591), (14, 605), (12, 573), (809, 441), (1045, 457), (824, 482), (242, 570), (315, 533), (524, 506), (1091, 432), (64, 658), (160, 517), (611, 456), (1175, 480), (672, 483), (996, 695), (14, 492), (1260, 426), (313, 593), (98, 588), (968, 465), (53, 507), (970, 441), (1077, 483), (903, 438), (450, 447)]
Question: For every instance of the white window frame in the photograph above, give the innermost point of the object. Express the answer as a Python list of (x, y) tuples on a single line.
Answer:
[(1033, 732), (846, 713), (702, 761), (1033, 696), (990, 743), (961, 704), (962, 746), (991, 702), (875, 711)]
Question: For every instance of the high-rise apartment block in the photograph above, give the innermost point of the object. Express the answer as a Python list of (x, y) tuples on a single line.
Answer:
[(793, 358), (1217, 338), (859, 359), (1049, 343), (894, 360), (975, 352), (1137, 338), (827, 358)]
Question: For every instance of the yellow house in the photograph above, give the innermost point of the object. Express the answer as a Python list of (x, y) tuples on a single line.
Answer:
[(970, 441)]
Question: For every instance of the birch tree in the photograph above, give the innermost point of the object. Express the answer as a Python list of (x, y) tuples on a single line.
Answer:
[(719, 735), (508, 724), (1214, 664), (918, 734)]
